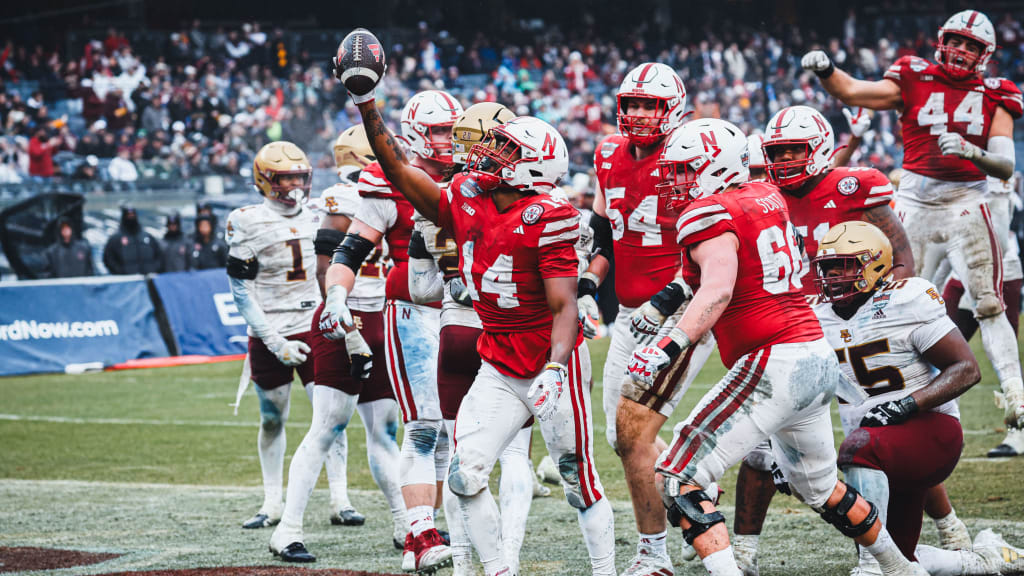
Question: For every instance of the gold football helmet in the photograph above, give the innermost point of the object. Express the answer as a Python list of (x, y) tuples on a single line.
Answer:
[(352, 152), (853, 258), (472, 125), (274, 169)]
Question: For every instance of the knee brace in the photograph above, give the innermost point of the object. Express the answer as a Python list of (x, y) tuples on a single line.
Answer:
[(688, 506), (568, 469), (465, 482), (837, 516)]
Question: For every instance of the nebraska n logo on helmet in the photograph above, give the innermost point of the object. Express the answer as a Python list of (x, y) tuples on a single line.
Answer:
[(525, 153), (426, 115), (701, 158), (960, 63), (798, 126), (651, 81)]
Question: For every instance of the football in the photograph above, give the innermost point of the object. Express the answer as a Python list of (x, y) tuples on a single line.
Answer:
[(360, 62)]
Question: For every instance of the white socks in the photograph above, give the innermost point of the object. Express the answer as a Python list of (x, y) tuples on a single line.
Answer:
[(421, 519), (653, 544), (722, 563)]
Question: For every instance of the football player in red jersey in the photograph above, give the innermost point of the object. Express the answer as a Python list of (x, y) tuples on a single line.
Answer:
[(411, 330), (957, 128), (634, 227), (782, 372)]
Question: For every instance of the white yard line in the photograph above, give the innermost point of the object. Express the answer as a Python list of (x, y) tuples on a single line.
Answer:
[(148, 422)]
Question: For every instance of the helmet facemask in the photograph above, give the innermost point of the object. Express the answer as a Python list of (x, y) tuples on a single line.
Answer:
[(493, 161), (641, 129), (680, 181), (843, 277), (438, 142), (790, 174), (287, 193), (958, 61)]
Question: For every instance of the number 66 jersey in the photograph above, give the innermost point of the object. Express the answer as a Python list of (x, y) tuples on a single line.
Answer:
[(286, 288), (504, 258), (880, 347)]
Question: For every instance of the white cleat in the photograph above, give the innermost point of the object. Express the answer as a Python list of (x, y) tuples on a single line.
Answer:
[(547, 471), (1012, 445), (746, 560), (911, 569), (999, 556), (867, 567), (644, 564), (955, 537)]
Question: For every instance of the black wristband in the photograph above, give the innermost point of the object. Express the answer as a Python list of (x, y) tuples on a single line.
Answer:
[(823, 74), (669, 299), (671, 348), (418, 246), (909, 405), (586, 287)]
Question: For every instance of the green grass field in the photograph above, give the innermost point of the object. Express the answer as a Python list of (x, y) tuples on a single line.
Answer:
[(152, 464)]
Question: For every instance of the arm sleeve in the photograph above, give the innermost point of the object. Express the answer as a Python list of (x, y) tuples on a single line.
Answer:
[(242, 291), (603, 244)]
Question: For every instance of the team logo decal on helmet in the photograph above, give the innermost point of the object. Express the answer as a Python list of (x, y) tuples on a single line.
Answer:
[(701, 158)]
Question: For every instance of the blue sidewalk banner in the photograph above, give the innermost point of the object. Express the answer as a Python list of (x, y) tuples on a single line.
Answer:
[(201, 312), (48, 325)]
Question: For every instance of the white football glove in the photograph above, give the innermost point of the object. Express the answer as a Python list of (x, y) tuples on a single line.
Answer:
[(816, 61), (359, 354), (546, 390), (953, 144), (590, 315), (645, 322), (336, 315), (288, 352), (859, 120), (645, 364)]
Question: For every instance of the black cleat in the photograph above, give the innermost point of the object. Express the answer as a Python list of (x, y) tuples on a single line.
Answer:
[(295, 552), (1003, 451), (260, 520), (347, 517)]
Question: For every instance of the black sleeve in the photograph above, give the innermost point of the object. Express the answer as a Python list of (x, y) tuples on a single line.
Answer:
[(602, 236), (327, 240), (243, 269), (418, 246), (352, 252)]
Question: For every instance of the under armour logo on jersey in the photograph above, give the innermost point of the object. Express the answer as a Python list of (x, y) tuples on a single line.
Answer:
[(519, 230), (830, 204)]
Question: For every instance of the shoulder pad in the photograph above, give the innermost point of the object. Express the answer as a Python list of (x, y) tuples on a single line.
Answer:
[(340, 199), (607, 148), (1007, 94), (916, 297), (373, 183)]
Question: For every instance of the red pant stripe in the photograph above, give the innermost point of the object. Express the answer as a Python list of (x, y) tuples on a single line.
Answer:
[(587, 440), (997, 252), (399, 380)]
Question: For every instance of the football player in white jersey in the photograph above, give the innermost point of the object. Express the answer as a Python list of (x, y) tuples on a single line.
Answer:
[(894, 339), (271, 269), (345, 377)]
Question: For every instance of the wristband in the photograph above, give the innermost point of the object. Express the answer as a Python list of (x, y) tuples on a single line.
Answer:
[(908, 404), (675, 342), (823, 74), (588, 285)]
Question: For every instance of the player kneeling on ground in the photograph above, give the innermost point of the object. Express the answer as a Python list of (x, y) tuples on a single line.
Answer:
[(906, 438), (782, 372)]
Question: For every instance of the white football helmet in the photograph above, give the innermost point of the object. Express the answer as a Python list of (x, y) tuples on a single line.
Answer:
[(798, 125), (525, 153), (427, 113), (703, 157), (651, 81), (960, 63), (754, 144)]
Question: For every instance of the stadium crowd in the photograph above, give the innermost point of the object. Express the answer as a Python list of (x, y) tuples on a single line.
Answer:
[(203, 100)]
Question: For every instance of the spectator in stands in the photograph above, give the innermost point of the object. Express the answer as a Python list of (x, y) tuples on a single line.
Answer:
[(208, 251), (121, 168), (132, 250), (40, 154), (175, 247), (69, 257), (87, 170)]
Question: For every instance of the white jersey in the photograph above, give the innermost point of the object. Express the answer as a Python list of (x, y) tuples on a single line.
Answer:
[(286, 288), (368, 292), (881, 346), (446, 256)]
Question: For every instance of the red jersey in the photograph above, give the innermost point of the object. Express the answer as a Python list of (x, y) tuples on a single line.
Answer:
[(394, 220), (934, 103), (844, 194), (646, 258), (767, 306), (504, 258)]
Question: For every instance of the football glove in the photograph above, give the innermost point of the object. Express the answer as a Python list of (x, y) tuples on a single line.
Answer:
[(890, 413), (590, 314), (817, 61), (647, 361), (336, 315), (288, 352), (779, 479), (459, 293), (359, 354), (953, 144), (546, 390), (859, 120), (646, 321)]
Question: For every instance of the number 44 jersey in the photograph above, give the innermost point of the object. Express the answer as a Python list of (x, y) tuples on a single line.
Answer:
[(767, 306), (880, 348), (286, 288), (504, 258)]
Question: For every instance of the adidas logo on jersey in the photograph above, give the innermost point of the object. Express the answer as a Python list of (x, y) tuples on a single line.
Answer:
[(878, 315), (830, 204), (519, 230)]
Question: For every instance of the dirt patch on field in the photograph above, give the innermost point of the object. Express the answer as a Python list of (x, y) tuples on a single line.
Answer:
[(22, 559), (251, 571)]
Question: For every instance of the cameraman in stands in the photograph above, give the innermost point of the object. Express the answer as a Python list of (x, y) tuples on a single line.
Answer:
[(70, 256)]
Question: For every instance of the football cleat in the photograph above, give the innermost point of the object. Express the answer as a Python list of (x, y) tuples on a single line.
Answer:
[(999, 557), (294, 552), (867, 567), (426, 553), (548, 472), (261, 520), (1012, 445), (644, 564), (911, 569), (347, 517)]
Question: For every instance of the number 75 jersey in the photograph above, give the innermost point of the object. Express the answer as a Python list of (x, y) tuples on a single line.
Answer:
[(881, 347), (286, 288), (504, 258)]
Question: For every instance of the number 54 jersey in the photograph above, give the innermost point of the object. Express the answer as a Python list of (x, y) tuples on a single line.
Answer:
[(880, 348), (504, 258), (286, 288)]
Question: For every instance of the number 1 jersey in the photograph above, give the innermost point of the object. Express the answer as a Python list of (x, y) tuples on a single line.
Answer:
[(767, 306), (504, 258)]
